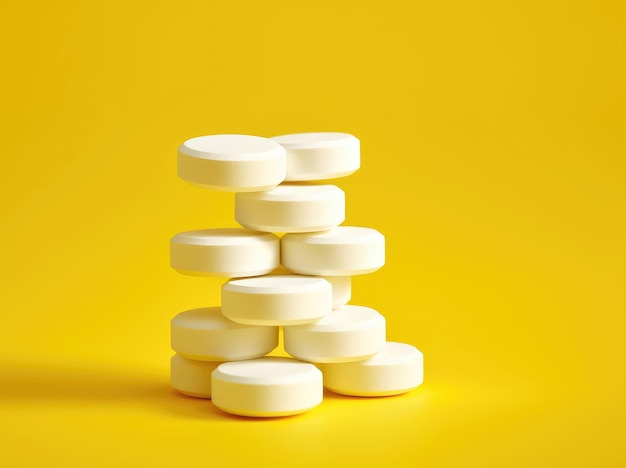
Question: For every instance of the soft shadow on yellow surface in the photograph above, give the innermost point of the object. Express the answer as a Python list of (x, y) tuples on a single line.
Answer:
[(63, 385), (452, 423), (75, 384)]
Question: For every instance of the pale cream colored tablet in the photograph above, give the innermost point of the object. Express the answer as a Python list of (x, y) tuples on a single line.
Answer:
[(399, 368), (342, 289), (270, 386), (291, 208), (193, 378), (320, 155), (229, 253), (276, 299), (234, 163), (341, 286), (342, 251), (349, 333), (205, 334)]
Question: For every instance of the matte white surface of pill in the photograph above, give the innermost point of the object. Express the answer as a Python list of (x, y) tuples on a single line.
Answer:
[(193, 378), (399, 368), (270, 386), (276, 300), (230, 253), (349, 333), (291, 208), (342, 251), (205, 334), (320, 155), (341, 286), (235, 163)]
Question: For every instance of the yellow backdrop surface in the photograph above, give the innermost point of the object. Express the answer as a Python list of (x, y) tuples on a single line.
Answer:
[(493, 139)]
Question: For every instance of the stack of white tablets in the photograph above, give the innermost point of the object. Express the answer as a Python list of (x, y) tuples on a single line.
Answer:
[(300, 281)]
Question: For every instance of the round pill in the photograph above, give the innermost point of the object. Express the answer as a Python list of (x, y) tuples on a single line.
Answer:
[(270, 386), (342, 251), (230, 252), (398, 368), (291, 208), (341, 286), (276, 300), (349, 333), (205, 334), (233, 163), (320, 155), (192, 378)]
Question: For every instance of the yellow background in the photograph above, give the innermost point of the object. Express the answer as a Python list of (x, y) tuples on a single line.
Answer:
[(493, 160)]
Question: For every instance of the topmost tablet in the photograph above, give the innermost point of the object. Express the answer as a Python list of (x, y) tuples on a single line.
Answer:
[(232, 163), (320, 155)]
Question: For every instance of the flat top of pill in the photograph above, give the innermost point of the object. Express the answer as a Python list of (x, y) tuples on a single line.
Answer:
[(275, 284), (206, 318), (393, 352), (229, 147), (338, 235), (265, 371), (348, 317), (287, 192), (222, 236), (315, 140)]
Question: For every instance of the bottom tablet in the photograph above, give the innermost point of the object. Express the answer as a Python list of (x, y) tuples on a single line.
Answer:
[(266, 387), (190, 377)]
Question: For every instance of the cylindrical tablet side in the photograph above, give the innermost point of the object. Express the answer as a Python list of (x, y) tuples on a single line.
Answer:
[(397, 369), (342, 289), (342, 251), (267, 387), (205, 334), (229, 252), (192, 378), (349, 333), (320, 155)]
